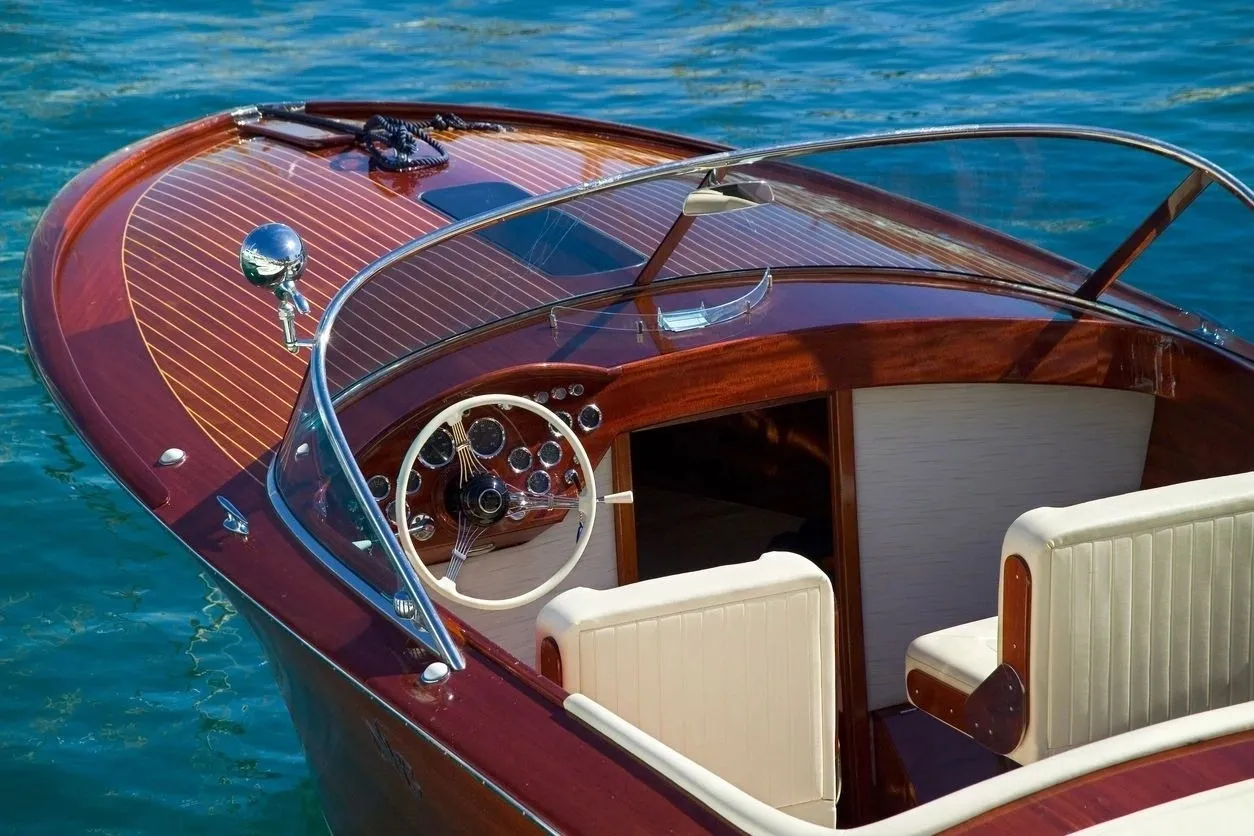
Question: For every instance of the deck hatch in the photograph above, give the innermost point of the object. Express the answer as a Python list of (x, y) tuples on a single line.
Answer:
[(551, 240)]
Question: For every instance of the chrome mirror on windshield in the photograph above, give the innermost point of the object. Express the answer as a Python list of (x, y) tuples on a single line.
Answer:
[(728, 197)]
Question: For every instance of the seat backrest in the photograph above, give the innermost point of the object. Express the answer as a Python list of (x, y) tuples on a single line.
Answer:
[(733, 667), (1138, 609)]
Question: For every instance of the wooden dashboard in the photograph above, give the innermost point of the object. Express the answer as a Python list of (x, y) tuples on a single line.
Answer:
[(814, 337), (565, 389)]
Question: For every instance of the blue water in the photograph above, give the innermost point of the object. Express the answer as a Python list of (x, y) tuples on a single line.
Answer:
[(132, 699)]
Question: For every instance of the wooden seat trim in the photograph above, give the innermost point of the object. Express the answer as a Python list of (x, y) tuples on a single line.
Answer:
[(995, 714)]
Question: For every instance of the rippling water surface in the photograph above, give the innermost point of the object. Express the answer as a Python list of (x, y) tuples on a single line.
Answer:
[(132, 699)]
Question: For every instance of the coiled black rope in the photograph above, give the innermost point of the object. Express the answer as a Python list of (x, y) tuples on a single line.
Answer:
[(392, 144)]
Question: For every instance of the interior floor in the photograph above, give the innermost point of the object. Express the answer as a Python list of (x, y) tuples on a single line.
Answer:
[(684, 532), (920, 759), (727, 489)]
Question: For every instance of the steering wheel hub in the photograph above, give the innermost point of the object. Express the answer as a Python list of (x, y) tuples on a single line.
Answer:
[(484, 499)]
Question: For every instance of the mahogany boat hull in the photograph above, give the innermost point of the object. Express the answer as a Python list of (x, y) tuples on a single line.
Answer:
[(348, 674), (374, 772), (492, 749)]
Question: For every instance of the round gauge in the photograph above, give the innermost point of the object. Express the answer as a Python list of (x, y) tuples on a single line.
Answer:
[(414, 482), (566, 419), (421, 527), (559, 393), (520, 459), (487, 437), (391, 513), (539, 482), (541, 397), (438, 451), (379, 486), (589, 418), (550, 453), (576, 389)]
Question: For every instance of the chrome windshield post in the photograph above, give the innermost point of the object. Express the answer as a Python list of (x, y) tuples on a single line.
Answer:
[(425, 614)]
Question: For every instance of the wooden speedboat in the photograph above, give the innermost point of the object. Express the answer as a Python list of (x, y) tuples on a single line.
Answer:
[(581, 478)]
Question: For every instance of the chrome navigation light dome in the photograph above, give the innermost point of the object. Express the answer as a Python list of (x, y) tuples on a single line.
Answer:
[(273, 256)]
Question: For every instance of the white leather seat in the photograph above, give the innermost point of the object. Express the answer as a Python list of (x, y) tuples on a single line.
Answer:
[(1138, 610), (732, 667), (961, 656)]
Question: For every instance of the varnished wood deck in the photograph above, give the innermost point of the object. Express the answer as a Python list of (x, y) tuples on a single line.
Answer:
[(214, 338)]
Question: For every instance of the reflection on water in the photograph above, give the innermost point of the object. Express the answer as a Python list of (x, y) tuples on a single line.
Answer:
[(131, 697)]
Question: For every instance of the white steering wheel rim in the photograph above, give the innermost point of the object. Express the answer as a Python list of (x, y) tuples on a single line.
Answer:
[(587, 503)]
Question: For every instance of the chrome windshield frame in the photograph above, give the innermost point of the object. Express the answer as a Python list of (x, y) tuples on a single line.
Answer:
[(440, 639)]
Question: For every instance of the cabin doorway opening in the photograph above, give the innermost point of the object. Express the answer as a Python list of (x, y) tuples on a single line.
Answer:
[(726, 489)]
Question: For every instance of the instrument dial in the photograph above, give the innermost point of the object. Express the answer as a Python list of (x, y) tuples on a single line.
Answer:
[(566, 419), (379, 486), (589, 418), (413, 483), (520, 459), (487, 437), (550, 453), (539, 482), (438, 451), (421, 527)]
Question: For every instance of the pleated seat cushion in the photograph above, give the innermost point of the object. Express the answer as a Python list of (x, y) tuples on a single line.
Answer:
[(732, 667)]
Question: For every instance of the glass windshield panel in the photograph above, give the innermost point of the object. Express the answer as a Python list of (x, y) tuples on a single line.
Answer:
[(1201, 264), (1077, 199), (316, 491)]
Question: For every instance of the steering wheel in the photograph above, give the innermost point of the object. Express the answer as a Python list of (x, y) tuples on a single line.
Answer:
[(484, 500)]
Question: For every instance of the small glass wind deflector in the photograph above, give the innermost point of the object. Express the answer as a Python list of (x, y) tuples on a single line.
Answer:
[(673, 321)]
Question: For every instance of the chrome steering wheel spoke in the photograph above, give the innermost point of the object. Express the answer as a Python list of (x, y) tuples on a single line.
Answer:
[(468, 463), (467, 534), (520, 502)]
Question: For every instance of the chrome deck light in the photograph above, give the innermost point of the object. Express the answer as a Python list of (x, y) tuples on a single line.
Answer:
[(273, 256)]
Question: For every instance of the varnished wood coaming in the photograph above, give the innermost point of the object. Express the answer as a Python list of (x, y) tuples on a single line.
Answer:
[(813, 337), (854, 720), (1121, 790)]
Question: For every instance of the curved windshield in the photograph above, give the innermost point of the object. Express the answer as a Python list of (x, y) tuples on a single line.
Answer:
[(1071, 210), (1070, 213)]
